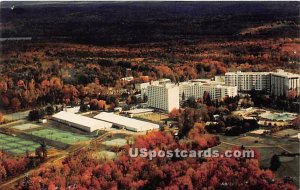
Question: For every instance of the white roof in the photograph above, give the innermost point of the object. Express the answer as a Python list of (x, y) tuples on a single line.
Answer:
[(137, 111), (128, 123), (285, 74), (247, 73), (92, 124)]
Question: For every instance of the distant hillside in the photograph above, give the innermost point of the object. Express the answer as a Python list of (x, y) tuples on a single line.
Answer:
[(135, 22)]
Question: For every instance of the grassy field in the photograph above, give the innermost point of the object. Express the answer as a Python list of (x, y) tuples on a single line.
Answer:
[(59, 135), (154, 117), (16, 145)]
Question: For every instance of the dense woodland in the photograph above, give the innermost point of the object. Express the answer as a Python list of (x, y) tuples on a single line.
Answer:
[(83, 50), (34, 74), (82, 171), (11, 166)]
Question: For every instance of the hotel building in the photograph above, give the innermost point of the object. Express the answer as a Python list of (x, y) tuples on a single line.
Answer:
[(282, 82), (197, 88), (246, 81), (163, 96), (142, 87), (278, 83)]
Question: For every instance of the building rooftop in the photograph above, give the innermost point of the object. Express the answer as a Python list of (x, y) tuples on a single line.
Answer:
[(283, 73), (279, 72), (204, 83), (137, 111), (247, 73), (128, 123), (94, 124)]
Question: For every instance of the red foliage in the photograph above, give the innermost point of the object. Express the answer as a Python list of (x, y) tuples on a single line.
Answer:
[(11, 166), (82, 171), (1, 118)]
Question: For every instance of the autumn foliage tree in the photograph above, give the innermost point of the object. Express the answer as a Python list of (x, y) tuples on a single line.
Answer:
[(15, 104), (82, 171), (174, 114), (1, 118), (11, 166)]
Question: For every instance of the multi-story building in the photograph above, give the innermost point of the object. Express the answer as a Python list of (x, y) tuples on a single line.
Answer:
[(163, 96), (197, 88), (246, 81), (142, 87), (277, 83), (282, 82)]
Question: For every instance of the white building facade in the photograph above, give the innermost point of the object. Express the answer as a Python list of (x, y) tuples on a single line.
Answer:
[(282, 82), (278, 83), (246, 81), (197, 90), (142, 87), (163, 96)]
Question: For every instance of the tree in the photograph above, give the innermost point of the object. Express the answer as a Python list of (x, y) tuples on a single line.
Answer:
[(1, 117), (36, 115), (183, 96), (94, 104), (50, 110), (145, 98), (190, 102), (292, 94), (51, 186), (15, 104), (101, 104), (5, 101), (83, 108), (275, 163), (174, 114), (206, 98)]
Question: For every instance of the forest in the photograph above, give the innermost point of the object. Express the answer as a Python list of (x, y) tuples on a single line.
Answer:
[(11, 166), (38, 73), (81, 51), (107, 23), (83, 171)]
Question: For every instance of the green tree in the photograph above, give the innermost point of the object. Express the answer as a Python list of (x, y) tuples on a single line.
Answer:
[(275, 163)]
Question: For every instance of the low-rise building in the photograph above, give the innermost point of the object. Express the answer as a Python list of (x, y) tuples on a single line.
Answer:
[(127, 79), (81, 122), (126, 122)]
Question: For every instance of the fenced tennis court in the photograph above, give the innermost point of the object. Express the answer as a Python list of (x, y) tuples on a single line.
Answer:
[(59, 135), (115, 142), (16, 145), (26, 126)]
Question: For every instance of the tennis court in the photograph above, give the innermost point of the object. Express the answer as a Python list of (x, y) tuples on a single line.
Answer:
[(26, 126), (59, 135), (115, 142), (16, 145), (104, 154)]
